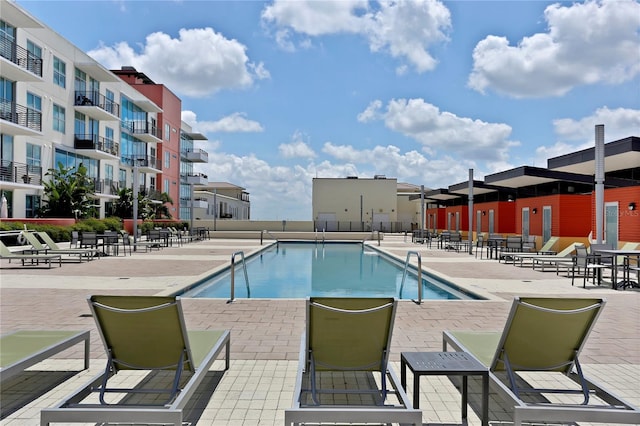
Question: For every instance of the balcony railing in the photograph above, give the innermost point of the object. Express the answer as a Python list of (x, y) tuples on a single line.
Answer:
[(20, 115), (142, 128), (90, 141), (94, 98), (20, 56), (195, 155), (141, 161), (11, 171), (106, 186)]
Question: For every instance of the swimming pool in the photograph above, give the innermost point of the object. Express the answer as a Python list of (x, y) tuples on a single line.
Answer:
[(290, 270)]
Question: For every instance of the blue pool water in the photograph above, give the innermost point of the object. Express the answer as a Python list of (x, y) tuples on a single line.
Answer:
[(299, 270)]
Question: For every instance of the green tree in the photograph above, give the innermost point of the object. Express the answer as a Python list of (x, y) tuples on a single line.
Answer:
[(68, 193), (162, 210), (123, 207)]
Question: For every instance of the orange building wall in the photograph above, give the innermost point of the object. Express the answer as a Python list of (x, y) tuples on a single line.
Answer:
[(504, 216), (628, 220), (171, 114)]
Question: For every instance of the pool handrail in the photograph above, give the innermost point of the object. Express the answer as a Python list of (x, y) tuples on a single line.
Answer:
[(404, 275), (233, 269)]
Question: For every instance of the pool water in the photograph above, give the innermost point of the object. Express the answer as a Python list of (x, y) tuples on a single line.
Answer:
[(298, 270)]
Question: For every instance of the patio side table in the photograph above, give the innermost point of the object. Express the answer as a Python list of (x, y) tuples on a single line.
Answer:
[(445, 364)]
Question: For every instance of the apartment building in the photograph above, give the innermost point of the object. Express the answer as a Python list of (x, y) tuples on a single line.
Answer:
[(222, 200), (59, 106)]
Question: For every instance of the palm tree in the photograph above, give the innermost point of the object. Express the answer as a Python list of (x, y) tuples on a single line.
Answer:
[(162, 210), (68, 193)]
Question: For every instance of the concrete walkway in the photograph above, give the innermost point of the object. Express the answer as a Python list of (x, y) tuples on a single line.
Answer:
[(265, 334)]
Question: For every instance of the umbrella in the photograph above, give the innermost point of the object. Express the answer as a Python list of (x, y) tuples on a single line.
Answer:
[(4, 210)]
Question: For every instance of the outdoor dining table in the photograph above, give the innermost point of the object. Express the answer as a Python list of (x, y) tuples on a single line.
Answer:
[(626, 274)]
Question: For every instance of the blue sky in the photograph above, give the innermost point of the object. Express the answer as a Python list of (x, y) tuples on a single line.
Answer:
[(421, 91)]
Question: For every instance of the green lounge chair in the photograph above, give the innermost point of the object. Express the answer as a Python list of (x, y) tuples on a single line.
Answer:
[(545, 250), (52, 248), (347, 340), (544, 334), (534, 259), (143, 333), (22, 349), (5, 253)]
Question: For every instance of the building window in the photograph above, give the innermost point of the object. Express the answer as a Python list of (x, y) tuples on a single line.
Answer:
[(167, 160), (34, 102), (32, 205), (58, 118), (122, 178), (34, 155), (167, 132), (166, 186), (59, 72)]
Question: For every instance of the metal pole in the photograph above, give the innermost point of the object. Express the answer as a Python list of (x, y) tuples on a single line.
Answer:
[(191, 208), (361, 219), (470, 211), (136, 187), (599, 180), (215, 208), (422, 213)]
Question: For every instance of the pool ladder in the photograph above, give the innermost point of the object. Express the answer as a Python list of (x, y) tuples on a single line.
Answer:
[(233, 275), (404, 275)]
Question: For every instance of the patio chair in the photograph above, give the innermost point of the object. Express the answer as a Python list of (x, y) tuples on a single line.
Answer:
[(5, 253), (345, 345), (587, 265), (22, 349), (143, 333), (545, 250), (545, 335), (53, 247), (525, 259)]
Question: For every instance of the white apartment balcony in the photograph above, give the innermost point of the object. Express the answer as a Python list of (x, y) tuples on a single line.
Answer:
[(146, 164), (97, 106), (17, 63), (197, 179), (199, 203), (143, 130), (15, 175), (18, 120), (196, 156), (97, 147)]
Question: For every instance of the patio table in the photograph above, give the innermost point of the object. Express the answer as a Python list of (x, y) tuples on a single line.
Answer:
[(626, 267)]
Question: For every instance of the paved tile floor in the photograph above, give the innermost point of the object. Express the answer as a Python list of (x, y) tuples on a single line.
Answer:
[(265, 334)]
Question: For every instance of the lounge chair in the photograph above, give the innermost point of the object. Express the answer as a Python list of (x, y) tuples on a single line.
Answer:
[(524, 259), (347, 340), (22, 349), (544, 335), (546, 249), (143, 333), (52, 248), (5, 253)]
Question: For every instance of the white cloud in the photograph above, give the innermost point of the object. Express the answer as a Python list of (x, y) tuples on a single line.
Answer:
[(284, 192), (404, 30), (371, 113), (618, 123), (574, 135), (298, 148), (440, 130), (198, 63), (586, 43), (234, 123)]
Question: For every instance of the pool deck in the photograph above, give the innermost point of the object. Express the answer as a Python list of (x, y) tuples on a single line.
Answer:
[(265, 334)]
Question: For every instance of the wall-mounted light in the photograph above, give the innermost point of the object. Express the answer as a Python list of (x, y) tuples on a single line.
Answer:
[(632, 206), (484, 212), (535, 210)]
